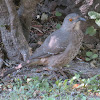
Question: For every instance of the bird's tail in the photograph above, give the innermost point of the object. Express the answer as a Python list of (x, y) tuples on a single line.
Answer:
[(24, 64)]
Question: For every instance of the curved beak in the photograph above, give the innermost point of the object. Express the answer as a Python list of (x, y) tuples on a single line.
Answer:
[(81, 19)]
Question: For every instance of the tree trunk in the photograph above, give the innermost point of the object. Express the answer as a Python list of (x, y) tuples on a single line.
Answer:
[(12, 27), (25, 14)]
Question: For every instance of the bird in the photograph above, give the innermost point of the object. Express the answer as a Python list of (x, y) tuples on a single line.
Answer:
[(61, 46)]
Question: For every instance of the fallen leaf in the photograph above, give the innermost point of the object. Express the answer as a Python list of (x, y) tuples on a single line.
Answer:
[(76, 85)]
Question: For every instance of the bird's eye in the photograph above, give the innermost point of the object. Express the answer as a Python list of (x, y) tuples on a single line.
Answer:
[(70, 20)]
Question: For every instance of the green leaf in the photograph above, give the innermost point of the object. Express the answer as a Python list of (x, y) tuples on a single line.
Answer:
[(94, 56), (93, 78), (87, 59), (58, 13), (97, 21), (65, 82), (74, 78), (58, 26), (91, 31), (2, 25), (84, 98), (50, 98), (89, 54), (94, 15), (57, 82)]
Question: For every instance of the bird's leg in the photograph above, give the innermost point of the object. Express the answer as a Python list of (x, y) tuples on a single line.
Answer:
[(54, 70), (61, 71), (55, 74)]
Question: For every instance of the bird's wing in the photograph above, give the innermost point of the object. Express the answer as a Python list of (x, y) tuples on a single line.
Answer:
[(56, 43)]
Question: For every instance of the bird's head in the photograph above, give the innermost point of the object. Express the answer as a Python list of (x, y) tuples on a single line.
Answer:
[(72, 21)]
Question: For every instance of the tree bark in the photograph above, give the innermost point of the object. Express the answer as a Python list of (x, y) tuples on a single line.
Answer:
[(13, 25), (25, 14)]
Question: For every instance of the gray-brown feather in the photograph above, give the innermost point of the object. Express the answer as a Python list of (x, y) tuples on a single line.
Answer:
[(62, 45), (54, 44)]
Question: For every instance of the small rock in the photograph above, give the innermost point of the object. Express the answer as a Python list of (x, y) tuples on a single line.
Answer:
[(44, 17), (38, 17), (40, 42), (93, 64), (98, 46)]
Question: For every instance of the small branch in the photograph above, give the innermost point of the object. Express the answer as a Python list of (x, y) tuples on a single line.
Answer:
[(37, 29)]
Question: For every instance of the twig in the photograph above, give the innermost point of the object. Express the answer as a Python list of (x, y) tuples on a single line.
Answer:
[(37, 29)]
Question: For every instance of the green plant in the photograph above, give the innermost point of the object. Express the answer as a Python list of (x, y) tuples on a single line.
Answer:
[(33, 88), (58, 26), (58, 13), (96, 16), (91, 31), (90, 56)]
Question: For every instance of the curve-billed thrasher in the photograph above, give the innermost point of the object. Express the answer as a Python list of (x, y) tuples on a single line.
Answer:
[(61, 46)]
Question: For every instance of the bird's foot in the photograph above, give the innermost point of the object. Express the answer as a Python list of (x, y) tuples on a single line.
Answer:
[(62, 73), (56, 74)]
